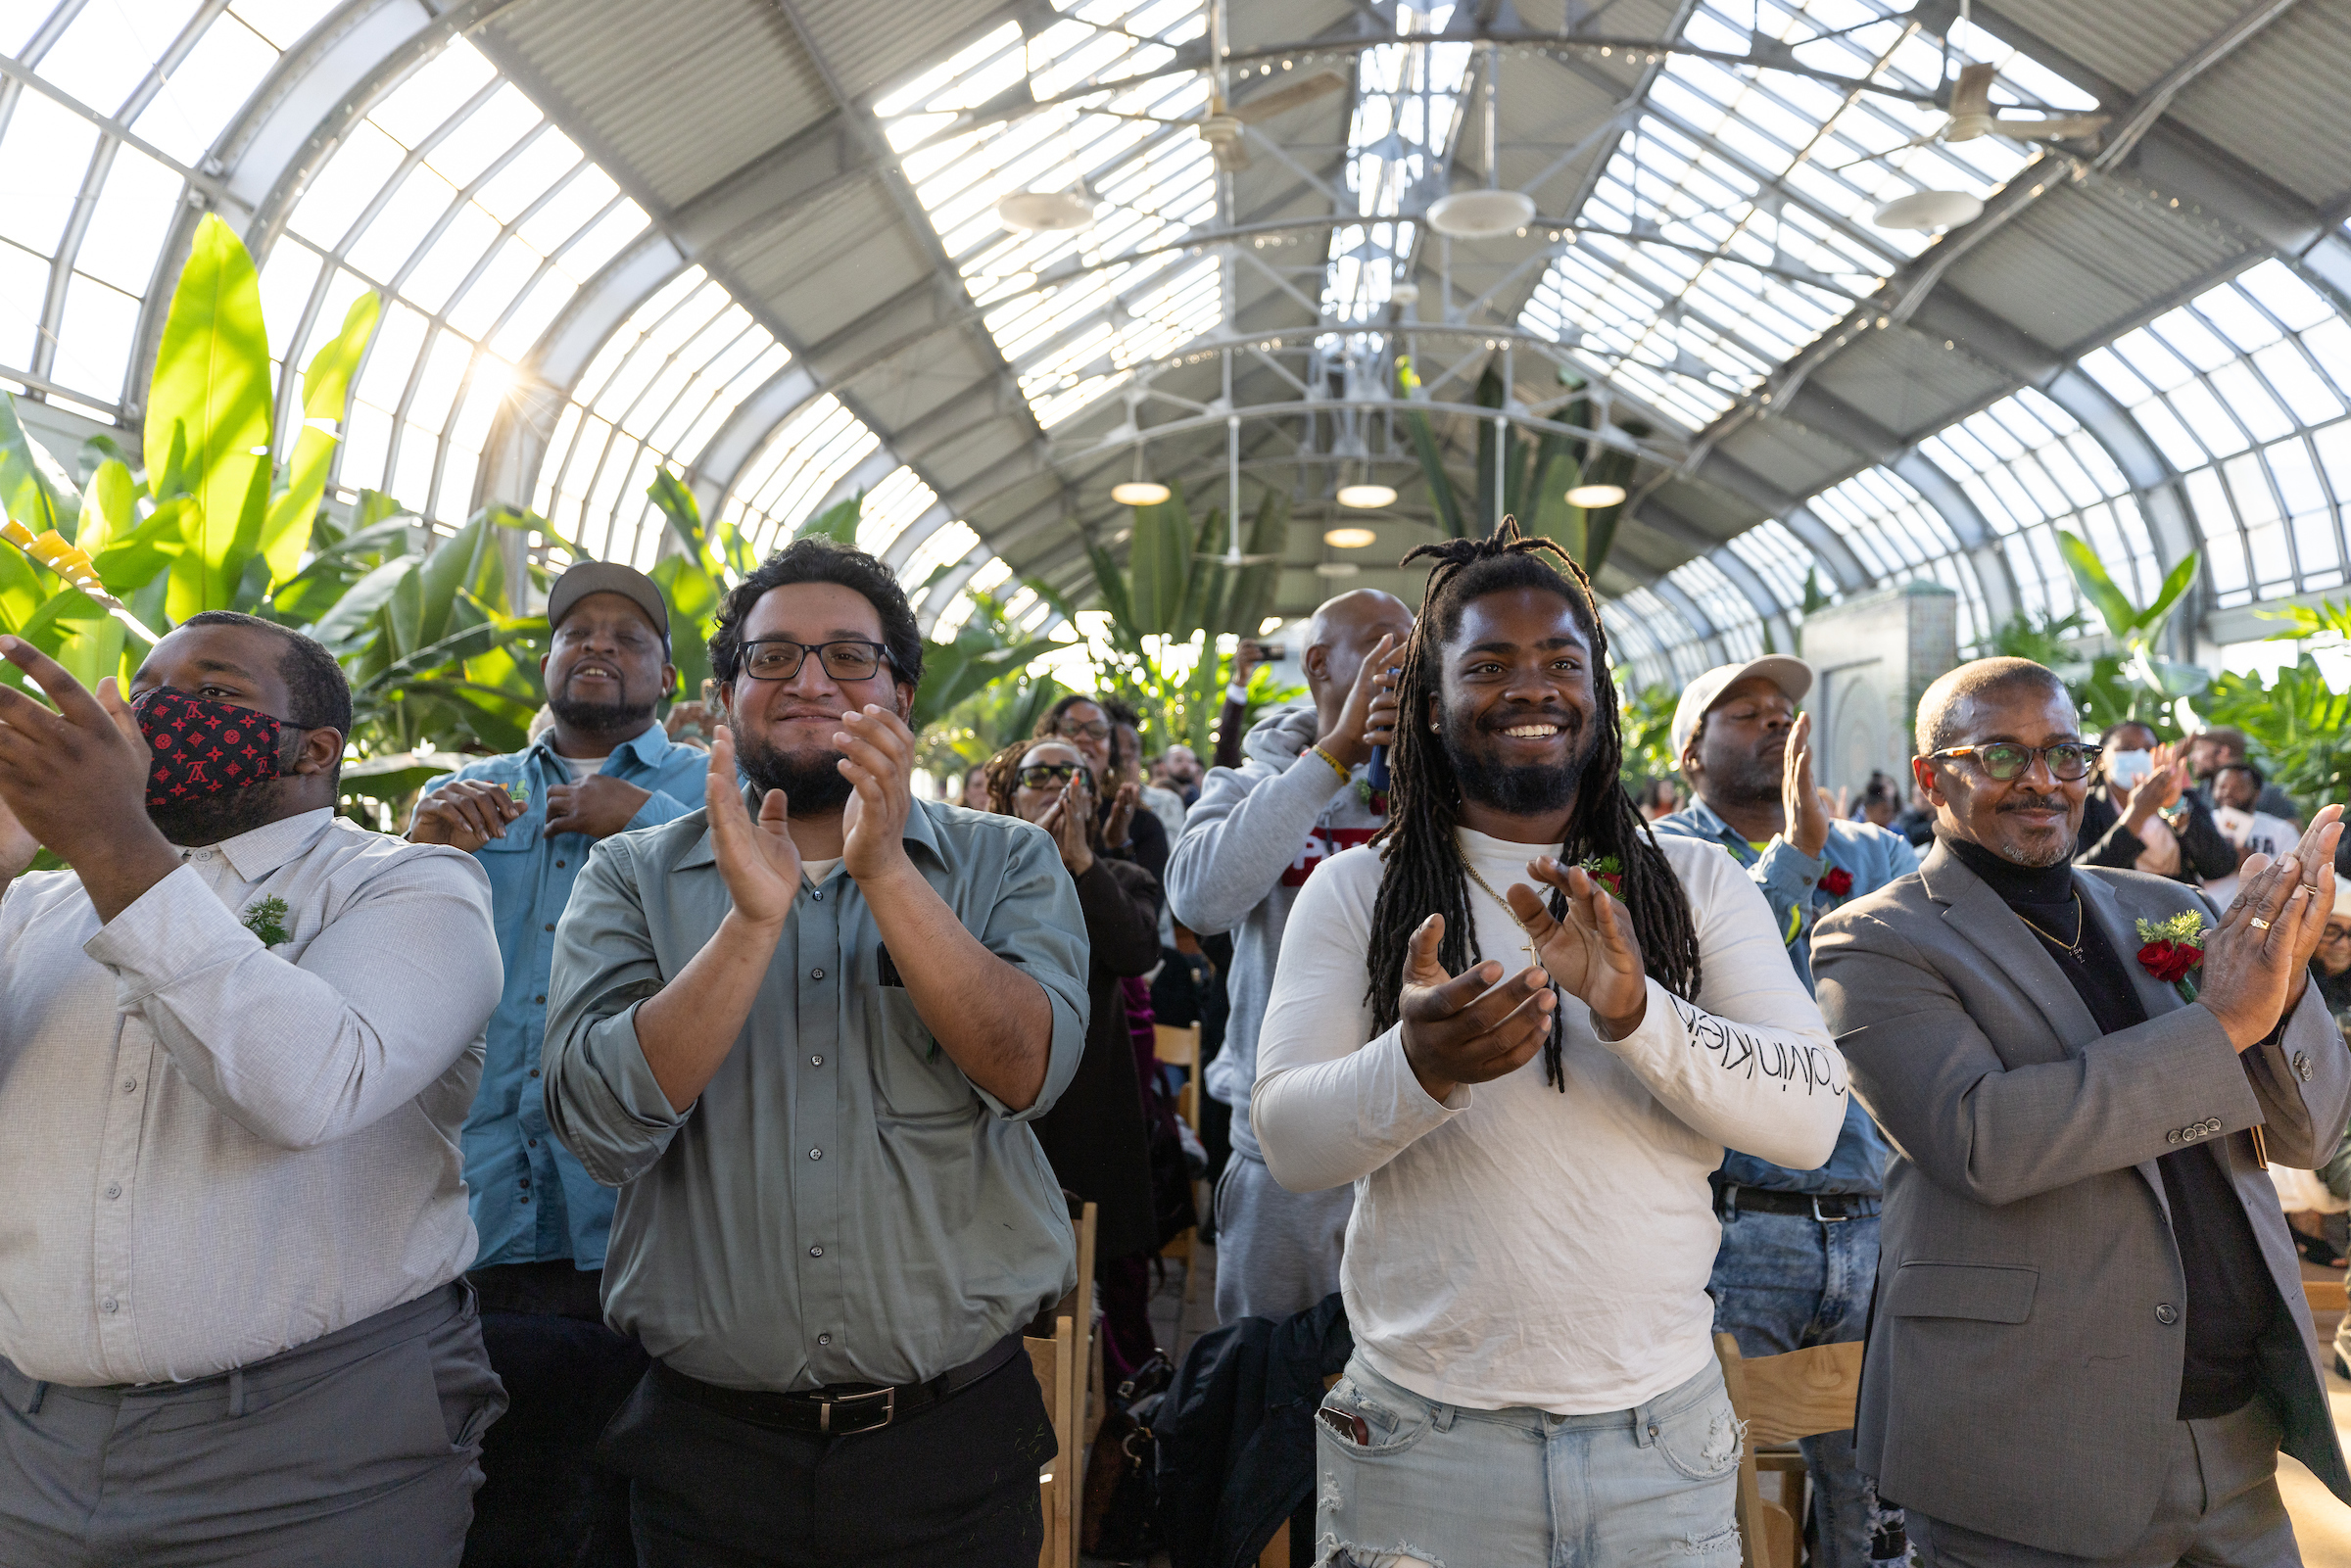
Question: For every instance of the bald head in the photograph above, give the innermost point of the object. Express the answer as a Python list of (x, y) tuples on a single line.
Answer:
[(1946, 712), (1337, 636)]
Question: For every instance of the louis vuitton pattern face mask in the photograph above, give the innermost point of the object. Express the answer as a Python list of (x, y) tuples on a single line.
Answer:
[(202, 748)]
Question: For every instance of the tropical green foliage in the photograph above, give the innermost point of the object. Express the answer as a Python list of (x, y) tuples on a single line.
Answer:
[(2299, 726), (1646, 719), (1535, 476), (2153, 684), (1173, 595)]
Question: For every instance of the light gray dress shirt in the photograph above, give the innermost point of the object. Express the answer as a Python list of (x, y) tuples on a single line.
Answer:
[(215, 1150), (842, 1205)]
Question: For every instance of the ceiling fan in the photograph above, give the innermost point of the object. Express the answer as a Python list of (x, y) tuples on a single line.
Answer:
[(1972, 116), (1220, 124)]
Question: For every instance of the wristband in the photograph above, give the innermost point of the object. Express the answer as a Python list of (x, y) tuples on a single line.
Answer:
[(1237, 693), (1335, 766)]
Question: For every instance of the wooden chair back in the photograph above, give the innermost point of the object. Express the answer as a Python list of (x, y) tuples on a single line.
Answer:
[(1780, 1399), (1061, 1353), (2325, 1295), (1180, 1048)]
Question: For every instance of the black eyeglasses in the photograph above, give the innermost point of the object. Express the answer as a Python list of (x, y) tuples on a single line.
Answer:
[(2005, 760), (1070, 730), (1049, 775), (777, 659)]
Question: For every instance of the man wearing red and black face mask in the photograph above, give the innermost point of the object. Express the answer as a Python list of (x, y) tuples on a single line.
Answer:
[(237, 1042)]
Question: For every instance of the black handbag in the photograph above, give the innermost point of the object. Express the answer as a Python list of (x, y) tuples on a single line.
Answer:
[(1121, 1498)]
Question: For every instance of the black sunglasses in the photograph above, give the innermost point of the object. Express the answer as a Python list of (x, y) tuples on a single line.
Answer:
[(1048, 775)]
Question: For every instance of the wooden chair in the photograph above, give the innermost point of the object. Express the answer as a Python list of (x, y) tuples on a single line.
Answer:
[(1783, 1397), (2325, 1295), (1181, 1048), (1061, 1351)]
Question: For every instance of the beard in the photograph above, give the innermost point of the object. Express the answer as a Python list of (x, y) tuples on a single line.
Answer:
[(1523, 789), (600, 718), (2059, 848), (811, 781), (1753, 780), (201, 820)]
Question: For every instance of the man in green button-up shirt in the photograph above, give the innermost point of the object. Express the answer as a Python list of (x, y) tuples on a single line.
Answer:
[(801, 1030)]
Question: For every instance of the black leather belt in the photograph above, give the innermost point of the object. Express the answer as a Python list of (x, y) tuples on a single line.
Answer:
[(1828, 1208), (841, 1409)]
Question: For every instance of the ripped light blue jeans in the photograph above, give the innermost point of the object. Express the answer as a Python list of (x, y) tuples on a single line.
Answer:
[(1453, 1488)]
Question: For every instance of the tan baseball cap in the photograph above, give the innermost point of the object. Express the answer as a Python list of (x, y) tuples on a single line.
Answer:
[(1792, 675)]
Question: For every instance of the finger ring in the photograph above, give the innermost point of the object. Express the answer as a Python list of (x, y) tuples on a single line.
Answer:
[(2312, 888), (2259, 924)]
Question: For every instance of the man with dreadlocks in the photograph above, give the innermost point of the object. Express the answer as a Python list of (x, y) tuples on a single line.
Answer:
[(1529, 1141)]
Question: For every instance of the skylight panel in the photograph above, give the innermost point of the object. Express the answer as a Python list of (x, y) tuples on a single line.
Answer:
[(1779, 557), (196, 99), (1072, 342), (1735, 617), (802, 461)]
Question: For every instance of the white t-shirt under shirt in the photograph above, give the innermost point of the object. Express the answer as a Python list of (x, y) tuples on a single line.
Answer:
[(816, 871), (584, 769), (1517, 1245), (2255, 831)]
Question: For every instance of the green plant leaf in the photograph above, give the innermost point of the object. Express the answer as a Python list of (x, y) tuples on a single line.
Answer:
[(2091, 577), (210, 395), (33, 490), (131, 562), (837, 522), (2174, 584), (669, 493), (325, 399), (108, 504), (350, 625)]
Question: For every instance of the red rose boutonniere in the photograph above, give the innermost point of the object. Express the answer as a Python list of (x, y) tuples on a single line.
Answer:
[(1607, 870), (2174, 950), (1837, 881)]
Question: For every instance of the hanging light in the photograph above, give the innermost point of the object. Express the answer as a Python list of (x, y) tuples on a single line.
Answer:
[(1593, 497), (1928, 210), (1349, 538), (1139, 492), (1051, 212), (1366, 496), (1336, 568)]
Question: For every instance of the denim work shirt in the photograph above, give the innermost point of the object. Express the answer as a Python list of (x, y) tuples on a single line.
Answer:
[(531, 1200), (1792, 884), (842, 1205)]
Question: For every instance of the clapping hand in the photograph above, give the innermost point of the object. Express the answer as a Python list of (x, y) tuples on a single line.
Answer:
[(2160, 791), (877, 757), (17, 847), (465, 814), (1593, 953), (1472, 1028), (2255, 973), (758, 860), (1122, 815), (1803, 807), (1069, 820), (1367, 717)]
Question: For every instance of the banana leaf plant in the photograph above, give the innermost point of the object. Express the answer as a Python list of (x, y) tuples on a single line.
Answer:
[(1535, 475), (1175, 591), (2154, 683)]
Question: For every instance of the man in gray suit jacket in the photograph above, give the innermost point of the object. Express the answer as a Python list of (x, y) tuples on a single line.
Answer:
[(2089, 1339)]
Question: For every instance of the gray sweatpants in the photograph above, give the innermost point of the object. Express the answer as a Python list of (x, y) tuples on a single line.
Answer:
[(1277, 1251), (359, 1450)]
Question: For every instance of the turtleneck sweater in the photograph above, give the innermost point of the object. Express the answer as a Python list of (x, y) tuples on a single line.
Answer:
[(2231, 1299)]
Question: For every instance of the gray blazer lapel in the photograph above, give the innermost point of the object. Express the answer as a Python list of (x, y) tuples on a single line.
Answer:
[(2103, 902), (1980, 916)]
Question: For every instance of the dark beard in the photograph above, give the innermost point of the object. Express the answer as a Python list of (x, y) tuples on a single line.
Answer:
[(811, 781), (600, 718), (1752, 782), (1519, 791), (201, 820)]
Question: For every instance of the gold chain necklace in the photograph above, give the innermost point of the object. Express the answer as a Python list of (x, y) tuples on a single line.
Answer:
[(2075, 946), (1531, 957)]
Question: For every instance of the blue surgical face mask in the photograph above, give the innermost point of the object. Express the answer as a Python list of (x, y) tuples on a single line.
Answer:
[(2128, 768)]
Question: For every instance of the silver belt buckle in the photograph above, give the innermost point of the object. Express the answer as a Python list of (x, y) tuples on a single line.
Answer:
[(1827, 1219), (889, 1411)]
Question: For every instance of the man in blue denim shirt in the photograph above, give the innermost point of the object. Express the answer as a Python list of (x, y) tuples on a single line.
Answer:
[(1799, 1248), (529, 818)]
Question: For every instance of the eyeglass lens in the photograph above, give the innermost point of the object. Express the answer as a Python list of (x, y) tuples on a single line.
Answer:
[(1044, 775), (2005, 762), (1097, 730), (778, 660)]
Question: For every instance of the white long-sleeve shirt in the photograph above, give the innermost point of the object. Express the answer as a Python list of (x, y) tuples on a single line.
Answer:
[(215, 1150), (1513, 1245)]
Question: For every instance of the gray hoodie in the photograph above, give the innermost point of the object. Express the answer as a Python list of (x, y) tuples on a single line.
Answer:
[(1256, 835)]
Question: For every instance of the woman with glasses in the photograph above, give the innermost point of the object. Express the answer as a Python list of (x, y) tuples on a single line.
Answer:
[(2143, 815), (1094, 1136), (1128, 833), (2330, 968)]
